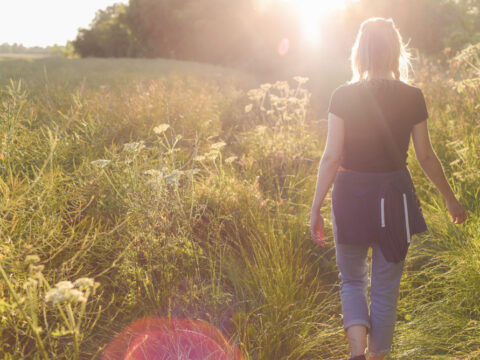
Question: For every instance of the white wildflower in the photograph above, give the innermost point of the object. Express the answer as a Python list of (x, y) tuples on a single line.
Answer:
[(218, 145), (64, 292), (230, 159), (77, 296), (199, 158), (174, 176), (212, 155), (134, 147), (55, 296), (266, 86), (161, 128), (248, 108), (101, 163), (255, 94), (64, 285), (301, 80), (192, 171), (274, 99), (84, 283), (154, 173), (281, 85)]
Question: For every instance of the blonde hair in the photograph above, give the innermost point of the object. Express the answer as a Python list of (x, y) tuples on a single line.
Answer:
[(379, 48)]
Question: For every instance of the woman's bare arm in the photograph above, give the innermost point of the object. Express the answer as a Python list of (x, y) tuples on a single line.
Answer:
[(432, 167), (330, 161), (327, 170)]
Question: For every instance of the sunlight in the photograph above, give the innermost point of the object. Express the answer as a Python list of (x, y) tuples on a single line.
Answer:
[(311, 13)]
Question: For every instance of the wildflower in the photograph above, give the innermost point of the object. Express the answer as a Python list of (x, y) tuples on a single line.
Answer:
[(154, 173), (255, 94), (64, 285), (230, 159), (161, 128), (134, 147), (83, 283), (192, 171), (101, 163), (64, 292), (248, 108), (281, 85), (266, 86), (212, 155), (301, 80), (174, 176), (199, 158), (274, 99), (218, 145)]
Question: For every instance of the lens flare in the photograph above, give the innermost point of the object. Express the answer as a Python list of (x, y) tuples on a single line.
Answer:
[(311, 13), (283, 47), (175, 338)]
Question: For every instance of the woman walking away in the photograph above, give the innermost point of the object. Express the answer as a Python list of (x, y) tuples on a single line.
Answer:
[(374, 203)]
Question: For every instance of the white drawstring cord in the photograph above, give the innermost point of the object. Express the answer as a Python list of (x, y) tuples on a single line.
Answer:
[(406, 216), (382, 207)]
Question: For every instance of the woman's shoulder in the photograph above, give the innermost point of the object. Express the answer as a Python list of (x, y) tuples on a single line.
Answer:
[(349, 91), (342, 89)]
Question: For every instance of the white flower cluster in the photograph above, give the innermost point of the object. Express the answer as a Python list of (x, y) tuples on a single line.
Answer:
[(170, 177), (100, 163), (161, 128), (66, 291), (279, 101), (134, 147)]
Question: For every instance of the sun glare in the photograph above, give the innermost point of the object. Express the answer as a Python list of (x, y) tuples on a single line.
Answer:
[(311, 13)]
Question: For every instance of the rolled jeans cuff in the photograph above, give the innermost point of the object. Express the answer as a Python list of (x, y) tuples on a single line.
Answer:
[(364, 322)]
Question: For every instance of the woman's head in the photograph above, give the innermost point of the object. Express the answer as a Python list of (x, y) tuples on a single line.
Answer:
[(379, 49)]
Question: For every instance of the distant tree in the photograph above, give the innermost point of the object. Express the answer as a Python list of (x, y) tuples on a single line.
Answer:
[(108, 35)]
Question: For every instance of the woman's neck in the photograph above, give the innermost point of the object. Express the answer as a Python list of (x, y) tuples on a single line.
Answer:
[(381, 75)]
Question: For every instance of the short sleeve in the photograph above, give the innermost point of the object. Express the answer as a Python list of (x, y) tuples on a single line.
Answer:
[(338, 102), (419, 111)]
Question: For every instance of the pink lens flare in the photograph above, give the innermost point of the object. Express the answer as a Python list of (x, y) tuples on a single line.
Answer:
[(170, 339), (283, 47)]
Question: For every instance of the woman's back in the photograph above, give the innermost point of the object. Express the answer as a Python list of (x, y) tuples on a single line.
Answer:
[(378, 117), (369, 125)]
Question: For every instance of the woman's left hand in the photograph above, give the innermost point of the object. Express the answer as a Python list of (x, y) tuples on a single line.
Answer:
[(316, 228)]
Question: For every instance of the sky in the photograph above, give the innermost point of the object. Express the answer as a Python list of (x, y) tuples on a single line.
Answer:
[(46, 22)]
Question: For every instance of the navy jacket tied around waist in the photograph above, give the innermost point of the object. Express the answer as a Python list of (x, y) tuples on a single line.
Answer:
[(377, 207)]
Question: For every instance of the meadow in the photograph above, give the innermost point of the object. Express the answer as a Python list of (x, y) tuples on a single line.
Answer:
[(142, 188)]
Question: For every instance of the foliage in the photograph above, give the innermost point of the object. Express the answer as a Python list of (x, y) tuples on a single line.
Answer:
[(186, 194), (108, 35), (241, 33)]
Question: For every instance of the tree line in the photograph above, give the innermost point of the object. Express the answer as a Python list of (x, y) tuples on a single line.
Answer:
[(236, 32)]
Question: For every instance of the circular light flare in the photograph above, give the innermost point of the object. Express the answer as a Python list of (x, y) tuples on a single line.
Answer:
[(311, 13)]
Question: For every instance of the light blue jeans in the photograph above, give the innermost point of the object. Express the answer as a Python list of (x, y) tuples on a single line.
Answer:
[(384, 290)]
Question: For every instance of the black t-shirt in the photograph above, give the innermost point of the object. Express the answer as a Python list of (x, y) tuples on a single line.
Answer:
[(378, 117)]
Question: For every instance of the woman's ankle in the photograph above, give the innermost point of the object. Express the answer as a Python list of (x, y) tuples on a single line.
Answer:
[(357, 357)]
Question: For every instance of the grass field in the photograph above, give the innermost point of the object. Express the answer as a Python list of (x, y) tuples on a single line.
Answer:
[(183, 193)]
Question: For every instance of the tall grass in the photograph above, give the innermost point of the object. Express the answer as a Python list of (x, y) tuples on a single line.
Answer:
[(188, 195)]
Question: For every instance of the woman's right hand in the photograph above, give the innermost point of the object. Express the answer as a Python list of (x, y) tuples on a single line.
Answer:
[(456, 210)]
